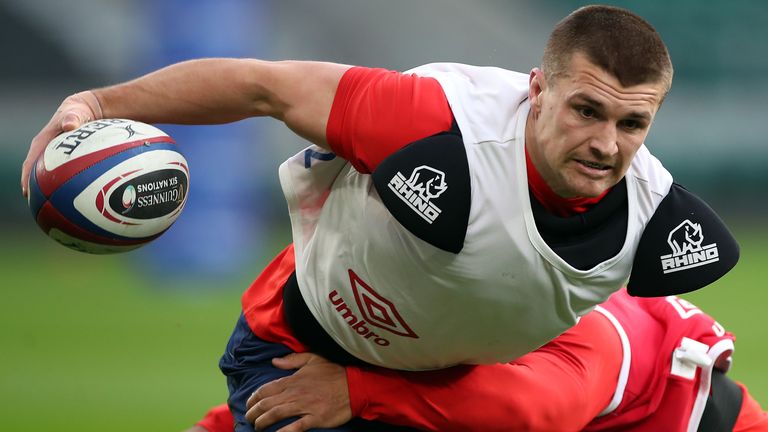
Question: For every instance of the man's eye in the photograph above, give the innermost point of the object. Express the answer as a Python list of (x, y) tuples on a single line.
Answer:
[(631, 124), (587, 112)]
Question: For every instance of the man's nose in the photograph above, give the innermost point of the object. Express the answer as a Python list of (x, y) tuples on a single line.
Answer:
[(604, 143)]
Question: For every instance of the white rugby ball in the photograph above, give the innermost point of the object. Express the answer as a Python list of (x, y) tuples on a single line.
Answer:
[(109, 186)]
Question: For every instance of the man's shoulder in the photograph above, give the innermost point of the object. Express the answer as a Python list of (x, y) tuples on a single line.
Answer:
[(684, 246), (485, 100), (469, 72), (649, 171)]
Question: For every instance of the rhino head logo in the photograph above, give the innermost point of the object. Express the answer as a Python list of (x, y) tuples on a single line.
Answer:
[(428, 182), (686, 237)]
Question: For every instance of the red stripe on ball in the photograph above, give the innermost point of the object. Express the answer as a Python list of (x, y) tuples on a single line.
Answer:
[(49, 181)]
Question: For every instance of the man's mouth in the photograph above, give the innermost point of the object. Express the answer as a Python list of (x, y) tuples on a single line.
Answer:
[(593, 165)]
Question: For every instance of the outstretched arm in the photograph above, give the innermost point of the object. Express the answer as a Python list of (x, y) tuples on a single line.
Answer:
[(561, 386), (207, 91)]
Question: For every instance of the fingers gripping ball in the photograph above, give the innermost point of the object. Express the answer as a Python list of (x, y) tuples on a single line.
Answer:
[(109, 186)]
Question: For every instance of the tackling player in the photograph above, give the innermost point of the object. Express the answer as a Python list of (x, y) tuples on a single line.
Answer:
[(631, 365), (453, 214)]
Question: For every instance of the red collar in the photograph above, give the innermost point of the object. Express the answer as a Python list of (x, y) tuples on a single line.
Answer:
[(553, 202)]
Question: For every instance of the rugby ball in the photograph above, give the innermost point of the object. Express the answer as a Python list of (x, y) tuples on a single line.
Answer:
[(109, 186)]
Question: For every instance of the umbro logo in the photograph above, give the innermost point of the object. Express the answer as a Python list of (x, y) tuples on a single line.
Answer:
[(424, 184), (376, 311), (686, 240)]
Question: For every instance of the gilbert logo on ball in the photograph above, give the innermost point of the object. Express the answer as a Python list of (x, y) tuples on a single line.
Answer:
[(109, 186)]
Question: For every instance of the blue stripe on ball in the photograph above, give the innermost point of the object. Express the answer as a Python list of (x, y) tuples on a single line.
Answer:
[(36, 197)]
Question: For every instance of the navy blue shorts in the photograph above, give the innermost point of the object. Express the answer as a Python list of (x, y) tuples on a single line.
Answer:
[(247, 363)]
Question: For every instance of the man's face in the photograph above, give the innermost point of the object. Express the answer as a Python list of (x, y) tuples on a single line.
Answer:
[(585, 127)]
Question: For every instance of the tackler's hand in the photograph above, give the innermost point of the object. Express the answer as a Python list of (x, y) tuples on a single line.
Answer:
[(317, 394), (74, 111)]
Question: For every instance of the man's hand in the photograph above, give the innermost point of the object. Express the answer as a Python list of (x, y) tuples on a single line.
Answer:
[(317, 393), (74, 111)]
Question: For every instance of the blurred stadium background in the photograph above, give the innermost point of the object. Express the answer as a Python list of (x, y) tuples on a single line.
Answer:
[(132, 341)]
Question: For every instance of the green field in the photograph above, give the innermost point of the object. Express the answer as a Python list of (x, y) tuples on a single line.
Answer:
[(89, 344)]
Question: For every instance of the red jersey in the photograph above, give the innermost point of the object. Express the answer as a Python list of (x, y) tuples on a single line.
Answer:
[(636, 344), (218, 419), (670, 348)]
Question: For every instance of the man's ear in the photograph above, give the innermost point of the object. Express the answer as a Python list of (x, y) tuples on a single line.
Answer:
[(536, 85)]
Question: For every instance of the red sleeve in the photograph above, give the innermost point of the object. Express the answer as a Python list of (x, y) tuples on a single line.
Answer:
[(561, 386), (263, 302), (375, 112), (218, 419), (751, 418)]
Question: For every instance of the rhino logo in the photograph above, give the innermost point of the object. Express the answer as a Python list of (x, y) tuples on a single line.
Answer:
[(685, 238), (687, 252), (424, 184), (428, 182)]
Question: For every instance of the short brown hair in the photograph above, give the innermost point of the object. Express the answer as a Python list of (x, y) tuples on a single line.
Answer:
[(617, 40)]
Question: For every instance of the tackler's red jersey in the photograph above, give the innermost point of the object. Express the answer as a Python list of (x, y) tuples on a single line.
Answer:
[(670, 348), (633, 364)]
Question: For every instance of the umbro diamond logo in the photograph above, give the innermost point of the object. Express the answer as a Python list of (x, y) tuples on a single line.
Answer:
[(686, 240), (376, 311), (424, 184)]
